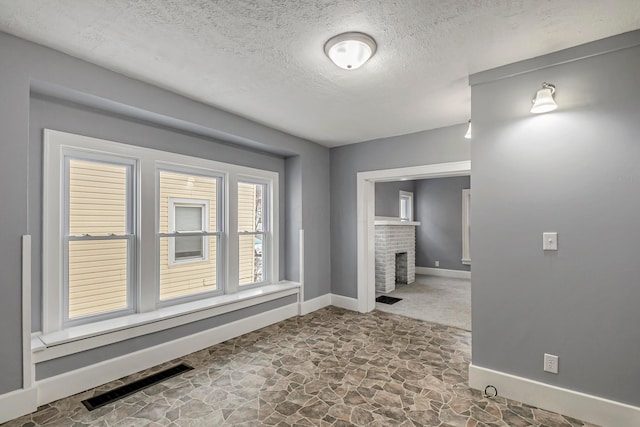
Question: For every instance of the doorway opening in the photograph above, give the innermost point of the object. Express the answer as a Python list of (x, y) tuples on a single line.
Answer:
[(366, 230)]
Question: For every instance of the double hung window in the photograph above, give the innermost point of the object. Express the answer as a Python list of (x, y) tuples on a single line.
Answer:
[(188, 233), (131, 230), (98, 241), (252, 227)]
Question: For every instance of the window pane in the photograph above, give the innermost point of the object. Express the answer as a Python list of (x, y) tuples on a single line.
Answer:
[(97, 198), (183, 279), (250, 206), (188, 247), (97, 277), (251, 260), (175, 185), (188, 218)]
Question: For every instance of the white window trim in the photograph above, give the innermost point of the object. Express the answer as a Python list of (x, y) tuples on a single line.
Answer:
[(466, 226), (204, 206), (406, 195), (266, 222), (150, 160), (131, 164)]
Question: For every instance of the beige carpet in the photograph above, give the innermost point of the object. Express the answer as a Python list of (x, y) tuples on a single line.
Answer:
[(434, 299)]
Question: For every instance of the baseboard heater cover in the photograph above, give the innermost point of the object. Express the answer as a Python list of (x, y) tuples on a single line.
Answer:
[(118, 393)]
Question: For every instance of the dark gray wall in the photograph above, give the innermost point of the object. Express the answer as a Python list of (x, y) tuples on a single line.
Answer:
[(574, 171), (423, 148), (388, 197), (438, 207), (109, 100)]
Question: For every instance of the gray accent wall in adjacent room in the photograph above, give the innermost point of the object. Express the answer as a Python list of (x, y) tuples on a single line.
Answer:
[(62, 91), (422, 148), (438, 207), (573, 171), (388, 197)]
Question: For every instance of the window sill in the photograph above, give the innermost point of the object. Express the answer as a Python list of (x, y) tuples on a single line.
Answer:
[(85, 337)]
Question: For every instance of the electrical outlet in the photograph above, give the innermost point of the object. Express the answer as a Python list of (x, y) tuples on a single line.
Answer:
[(437, 263), (551, 363)]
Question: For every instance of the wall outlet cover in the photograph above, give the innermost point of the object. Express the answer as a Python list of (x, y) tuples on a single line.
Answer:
[(551, 363)]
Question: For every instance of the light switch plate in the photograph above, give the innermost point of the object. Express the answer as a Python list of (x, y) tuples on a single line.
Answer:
[(550, 241)]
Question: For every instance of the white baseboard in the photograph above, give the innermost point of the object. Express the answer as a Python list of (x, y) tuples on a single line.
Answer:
[(314, 304), (443, 272), (326, 300), (85, 378), (344, 302), (593, 409), (18, 403)]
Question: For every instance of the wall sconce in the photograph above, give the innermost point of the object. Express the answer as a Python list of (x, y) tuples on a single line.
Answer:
[(468, 134), (543, 101)]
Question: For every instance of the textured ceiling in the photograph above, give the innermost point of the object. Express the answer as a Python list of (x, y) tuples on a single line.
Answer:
[(264, 59)]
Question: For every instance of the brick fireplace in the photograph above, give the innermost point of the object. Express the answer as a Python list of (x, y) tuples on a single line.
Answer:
[(395, 253)]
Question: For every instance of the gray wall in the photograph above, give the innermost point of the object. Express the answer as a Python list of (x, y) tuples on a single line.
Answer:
[(388, 197), (108, 101), (423, 148), (438, 206), (574, 171)]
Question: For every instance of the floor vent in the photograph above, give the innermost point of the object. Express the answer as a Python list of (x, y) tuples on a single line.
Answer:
[(128, 389), (387, 300)]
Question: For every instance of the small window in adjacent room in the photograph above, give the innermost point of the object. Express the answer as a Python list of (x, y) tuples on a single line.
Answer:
[(406, 206), (466, 226)]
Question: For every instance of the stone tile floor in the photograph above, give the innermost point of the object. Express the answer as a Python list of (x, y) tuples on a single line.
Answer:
[(332, 367)]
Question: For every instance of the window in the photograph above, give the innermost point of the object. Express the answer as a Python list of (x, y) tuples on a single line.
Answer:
[(98, 239), (251, 232), (130, 230), (188, 233), (406, 206), (466, 226), (188, 217)]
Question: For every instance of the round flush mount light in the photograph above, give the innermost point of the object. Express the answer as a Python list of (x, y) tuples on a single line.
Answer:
[(350, 50)]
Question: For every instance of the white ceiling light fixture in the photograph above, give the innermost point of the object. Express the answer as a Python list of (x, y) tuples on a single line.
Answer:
[(543, 101), (350, 50), (468, 134)]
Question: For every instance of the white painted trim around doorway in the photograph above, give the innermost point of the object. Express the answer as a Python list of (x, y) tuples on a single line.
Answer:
[(365, 199)]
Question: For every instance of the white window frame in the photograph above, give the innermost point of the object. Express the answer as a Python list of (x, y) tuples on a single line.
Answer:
[(204, 208), (408, 196), (266, 225), (147, 244), (466, 226), (69, 154)]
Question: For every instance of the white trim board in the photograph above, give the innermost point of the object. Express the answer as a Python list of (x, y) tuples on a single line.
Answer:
[(314, 304), (326, 300), (443, 272), (18, 403), (344, 302), (69, 383), (365, 214), (582, 406)]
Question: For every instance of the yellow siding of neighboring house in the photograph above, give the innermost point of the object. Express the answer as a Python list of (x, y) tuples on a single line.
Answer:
[(246, 222), (98, 206), (193, 277), (97, 269)]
